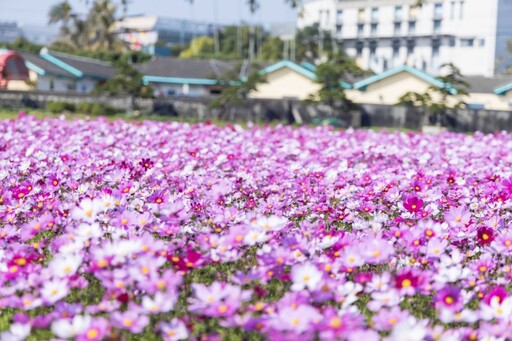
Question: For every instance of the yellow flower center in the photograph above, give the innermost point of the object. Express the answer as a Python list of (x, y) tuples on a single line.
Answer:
[(92, 334), (335, 322)]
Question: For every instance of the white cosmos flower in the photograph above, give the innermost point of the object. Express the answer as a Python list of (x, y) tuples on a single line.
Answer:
[(17, 332), (70, 328), (54, 290), (305, 276), (87, 210), (65, 265)]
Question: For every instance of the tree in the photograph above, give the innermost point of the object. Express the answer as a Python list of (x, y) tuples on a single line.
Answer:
[(126, 81), (94, 33), (22, 44), (236, 89), (440, 99), (272, 49), (313, 43), (200, 47), (61, 13), (100, 25), (332, 76)]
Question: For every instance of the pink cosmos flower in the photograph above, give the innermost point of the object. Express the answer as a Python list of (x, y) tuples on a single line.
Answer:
[(449, 298), (130, 320), (174, 330), (219, 299), (413, 204), (457, 217)]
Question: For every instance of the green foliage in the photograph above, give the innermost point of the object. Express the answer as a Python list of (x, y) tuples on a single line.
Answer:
[(126, 81), (443, 99), (272, 49), (313, 43), (21, 44), (94, 33), (200, 47), (236, 90), (331, 75), (95, 109), (59, 107)]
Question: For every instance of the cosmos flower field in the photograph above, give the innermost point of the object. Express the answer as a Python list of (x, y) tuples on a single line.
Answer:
[(127, 231)]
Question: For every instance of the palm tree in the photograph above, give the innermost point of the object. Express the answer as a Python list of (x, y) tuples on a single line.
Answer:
[(101, 22), (61, 13)]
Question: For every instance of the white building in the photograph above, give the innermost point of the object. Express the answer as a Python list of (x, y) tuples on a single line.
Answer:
[(383, 34)]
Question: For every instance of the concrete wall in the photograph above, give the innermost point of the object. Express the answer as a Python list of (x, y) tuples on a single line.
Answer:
[(266, 110)]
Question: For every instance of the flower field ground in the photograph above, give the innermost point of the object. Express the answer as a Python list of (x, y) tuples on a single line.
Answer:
[(149, 230)]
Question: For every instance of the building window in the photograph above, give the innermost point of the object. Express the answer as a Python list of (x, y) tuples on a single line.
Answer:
[(360, 30), (438, 10), (411, 44), (467, 42), (339, 29), (481, 42), (398, 13), (373, 51), (373, 29), (375, 14), (359, 49), (397, 28), (360, 14), (437, 26), (339, 16), (452, 10), (452, 42), (396, 52), (461, 9), (412, 27), (413, 13)]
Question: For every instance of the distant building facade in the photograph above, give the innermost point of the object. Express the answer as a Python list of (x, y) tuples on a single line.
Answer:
[(383, 34), (156, 35), (9, 31)]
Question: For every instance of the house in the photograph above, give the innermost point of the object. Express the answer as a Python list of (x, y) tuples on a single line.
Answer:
[(286, 79), (13, 72), (87, 72), (387, 87), (46, 76), (490, 93), (189, 77), (62, 72)]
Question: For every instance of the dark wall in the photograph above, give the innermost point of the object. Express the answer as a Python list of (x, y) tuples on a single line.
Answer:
[(266, 110)]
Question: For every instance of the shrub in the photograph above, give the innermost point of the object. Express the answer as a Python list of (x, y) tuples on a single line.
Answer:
[(58, 107), (84, 108)]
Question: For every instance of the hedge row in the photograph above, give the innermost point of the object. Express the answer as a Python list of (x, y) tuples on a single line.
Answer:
[(84, 108)]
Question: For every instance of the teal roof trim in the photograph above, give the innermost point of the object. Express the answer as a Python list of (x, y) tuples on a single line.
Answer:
[(61, 64), (291, 65), (361, 85), (308, 66), (176, 80), (503, 89), (35, 68), (299, 69)]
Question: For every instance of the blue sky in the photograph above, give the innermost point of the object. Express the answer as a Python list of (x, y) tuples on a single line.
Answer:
[(31, 12)]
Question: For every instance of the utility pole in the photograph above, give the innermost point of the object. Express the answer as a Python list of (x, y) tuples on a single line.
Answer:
[(216, 28)]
